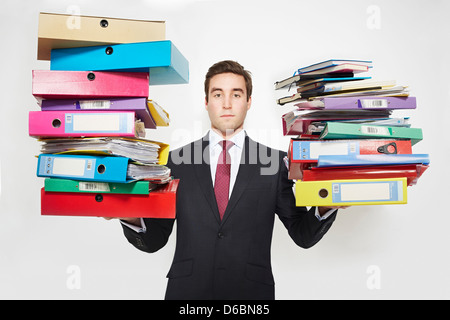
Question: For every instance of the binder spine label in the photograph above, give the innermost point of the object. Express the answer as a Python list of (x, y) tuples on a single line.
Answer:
[(374, 103), (367, 191), (67, 167), (375, 130), (94, 186), (307, 150), (93, 104), (99, 122)]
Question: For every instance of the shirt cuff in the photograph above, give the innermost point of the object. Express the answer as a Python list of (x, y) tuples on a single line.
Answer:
[(326, 215), (138, 229)]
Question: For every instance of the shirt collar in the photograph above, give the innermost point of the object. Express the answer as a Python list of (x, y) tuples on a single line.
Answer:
[(238, 139)]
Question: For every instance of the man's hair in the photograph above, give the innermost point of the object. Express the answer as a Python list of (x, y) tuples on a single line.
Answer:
[(228, 66)]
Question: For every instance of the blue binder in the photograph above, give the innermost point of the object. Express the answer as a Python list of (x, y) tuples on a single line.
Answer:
[(80, 167), (161, 58)]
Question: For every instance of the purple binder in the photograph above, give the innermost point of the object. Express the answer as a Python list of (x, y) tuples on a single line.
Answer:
[(359, 102), (139, 105)]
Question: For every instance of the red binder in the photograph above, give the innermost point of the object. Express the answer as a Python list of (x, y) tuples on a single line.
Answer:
[(300, 158), (159, 203), (411, 172), (351, 146)]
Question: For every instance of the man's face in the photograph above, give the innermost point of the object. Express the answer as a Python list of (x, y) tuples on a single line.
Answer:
[(227, 103)]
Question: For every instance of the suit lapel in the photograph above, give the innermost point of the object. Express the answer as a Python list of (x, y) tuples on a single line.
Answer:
[(247, 170), (203, 172)]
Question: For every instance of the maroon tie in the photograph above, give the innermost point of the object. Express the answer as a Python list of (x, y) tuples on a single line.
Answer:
[(222, 181)]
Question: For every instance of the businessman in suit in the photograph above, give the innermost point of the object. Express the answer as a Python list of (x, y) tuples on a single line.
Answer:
[(230, 190)]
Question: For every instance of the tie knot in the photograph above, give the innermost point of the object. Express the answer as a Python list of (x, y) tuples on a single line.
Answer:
[(226, 145)]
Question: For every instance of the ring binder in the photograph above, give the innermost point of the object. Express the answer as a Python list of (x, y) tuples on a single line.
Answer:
[(351, 192), (161, 59)]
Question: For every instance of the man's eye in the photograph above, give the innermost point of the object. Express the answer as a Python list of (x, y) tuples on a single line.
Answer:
[(236, 95), (217, 95)]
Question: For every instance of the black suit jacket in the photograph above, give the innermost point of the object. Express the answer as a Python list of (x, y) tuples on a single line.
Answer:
[(228, 259)]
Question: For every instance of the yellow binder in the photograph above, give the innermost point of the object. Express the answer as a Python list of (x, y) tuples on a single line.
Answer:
[(160, 115), (351, 192)]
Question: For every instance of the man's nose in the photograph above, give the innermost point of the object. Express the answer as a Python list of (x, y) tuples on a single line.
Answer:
[(227, 103)]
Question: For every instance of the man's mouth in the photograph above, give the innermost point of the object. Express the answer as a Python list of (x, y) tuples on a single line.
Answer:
[(227, 116)]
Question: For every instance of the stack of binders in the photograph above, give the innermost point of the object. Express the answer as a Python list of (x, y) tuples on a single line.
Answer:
[(95, 110), (347, 148)]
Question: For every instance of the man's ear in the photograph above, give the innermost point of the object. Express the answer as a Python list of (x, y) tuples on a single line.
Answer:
[(249, 103), (206, 103)]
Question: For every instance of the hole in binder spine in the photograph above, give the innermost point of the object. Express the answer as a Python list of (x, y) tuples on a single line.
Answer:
[(323, 193), (98, 198), (56, 123), (91, 76), (101, 169), (109, 51), (104, 23), (390, 148)]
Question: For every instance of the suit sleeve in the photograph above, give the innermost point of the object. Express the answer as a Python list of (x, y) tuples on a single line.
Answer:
[(154, 238), (157, 231), (302, 224)]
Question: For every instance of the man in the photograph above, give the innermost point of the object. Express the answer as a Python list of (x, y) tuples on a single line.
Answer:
[(225, 212)]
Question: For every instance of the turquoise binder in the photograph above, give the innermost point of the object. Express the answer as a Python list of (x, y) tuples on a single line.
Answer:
[(68, 185), (338, 130), (161, 59)]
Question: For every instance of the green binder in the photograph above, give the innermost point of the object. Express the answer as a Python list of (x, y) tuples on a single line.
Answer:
[(339, 130), (66, 185)]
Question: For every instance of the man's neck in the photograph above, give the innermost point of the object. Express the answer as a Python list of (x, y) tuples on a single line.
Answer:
[(228, 134)]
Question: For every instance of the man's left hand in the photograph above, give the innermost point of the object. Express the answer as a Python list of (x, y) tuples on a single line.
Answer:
[(323, 210)]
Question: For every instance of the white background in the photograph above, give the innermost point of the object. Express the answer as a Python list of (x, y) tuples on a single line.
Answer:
[(377, 252)]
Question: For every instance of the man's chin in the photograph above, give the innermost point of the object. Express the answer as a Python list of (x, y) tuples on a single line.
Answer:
[(228, 131)]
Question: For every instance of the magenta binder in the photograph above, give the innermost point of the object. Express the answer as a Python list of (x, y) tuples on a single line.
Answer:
[(50, 84), (81, 124)]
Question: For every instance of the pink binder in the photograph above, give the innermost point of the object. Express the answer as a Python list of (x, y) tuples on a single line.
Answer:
[(50, 84), (138, 105), (81, 124)]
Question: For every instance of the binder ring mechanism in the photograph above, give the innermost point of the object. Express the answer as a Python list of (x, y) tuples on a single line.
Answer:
[(390, 148)]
